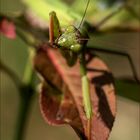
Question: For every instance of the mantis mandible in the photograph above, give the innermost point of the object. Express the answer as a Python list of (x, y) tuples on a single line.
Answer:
[(72, 46)]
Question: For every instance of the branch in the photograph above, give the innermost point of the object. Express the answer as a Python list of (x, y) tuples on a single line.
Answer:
[(26, 93)]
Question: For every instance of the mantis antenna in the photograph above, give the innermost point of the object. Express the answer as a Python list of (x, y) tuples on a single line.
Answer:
[(84, 14)]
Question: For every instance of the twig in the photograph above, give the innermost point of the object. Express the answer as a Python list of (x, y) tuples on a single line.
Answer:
[(26, 93), (24, 110)]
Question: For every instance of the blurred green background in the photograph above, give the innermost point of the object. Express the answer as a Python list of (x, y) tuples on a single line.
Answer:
[(14, 54)]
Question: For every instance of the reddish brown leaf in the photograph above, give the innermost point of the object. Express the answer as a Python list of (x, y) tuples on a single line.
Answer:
[(61, 95), (7, 28)]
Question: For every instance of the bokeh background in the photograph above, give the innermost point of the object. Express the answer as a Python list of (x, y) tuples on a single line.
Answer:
[(14, 54)]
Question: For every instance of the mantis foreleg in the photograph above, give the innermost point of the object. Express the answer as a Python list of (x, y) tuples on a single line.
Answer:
[(85, 86)]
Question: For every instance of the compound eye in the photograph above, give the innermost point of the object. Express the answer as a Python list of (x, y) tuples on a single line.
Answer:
[(76, 48), (70, 29), (63, 40)]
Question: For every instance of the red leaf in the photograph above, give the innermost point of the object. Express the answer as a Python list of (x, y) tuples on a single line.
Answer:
[(7, 28), (61, 95)]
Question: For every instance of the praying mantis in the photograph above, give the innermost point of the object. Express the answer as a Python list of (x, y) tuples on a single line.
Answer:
[(72, 46)]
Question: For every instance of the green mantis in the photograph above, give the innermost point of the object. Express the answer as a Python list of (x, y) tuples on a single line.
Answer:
[(72, 46)]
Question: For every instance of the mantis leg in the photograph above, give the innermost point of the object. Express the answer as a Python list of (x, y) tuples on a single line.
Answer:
[(70, 57), (90, 57), (54, 28), (108, 17), (86, 93), (85, 87), (97, 49), (115, 12)]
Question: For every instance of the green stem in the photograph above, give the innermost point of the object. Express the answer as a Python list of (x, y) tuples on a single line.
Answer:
[(24, 109), (26, 93), (28, 73)]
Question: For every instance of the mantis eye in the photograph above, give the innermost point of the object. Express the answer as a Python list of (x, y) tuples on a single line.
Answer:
[(62, 40), (76, 48), (70, 29)]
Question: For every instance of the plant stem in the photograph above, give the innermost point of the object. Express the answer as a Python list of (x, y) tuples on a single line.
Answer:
[(24, 109), (26, 93)]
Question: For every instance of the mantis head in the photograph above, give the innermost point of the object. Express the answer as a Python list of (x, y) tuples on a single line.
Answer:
[(69, 40)]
